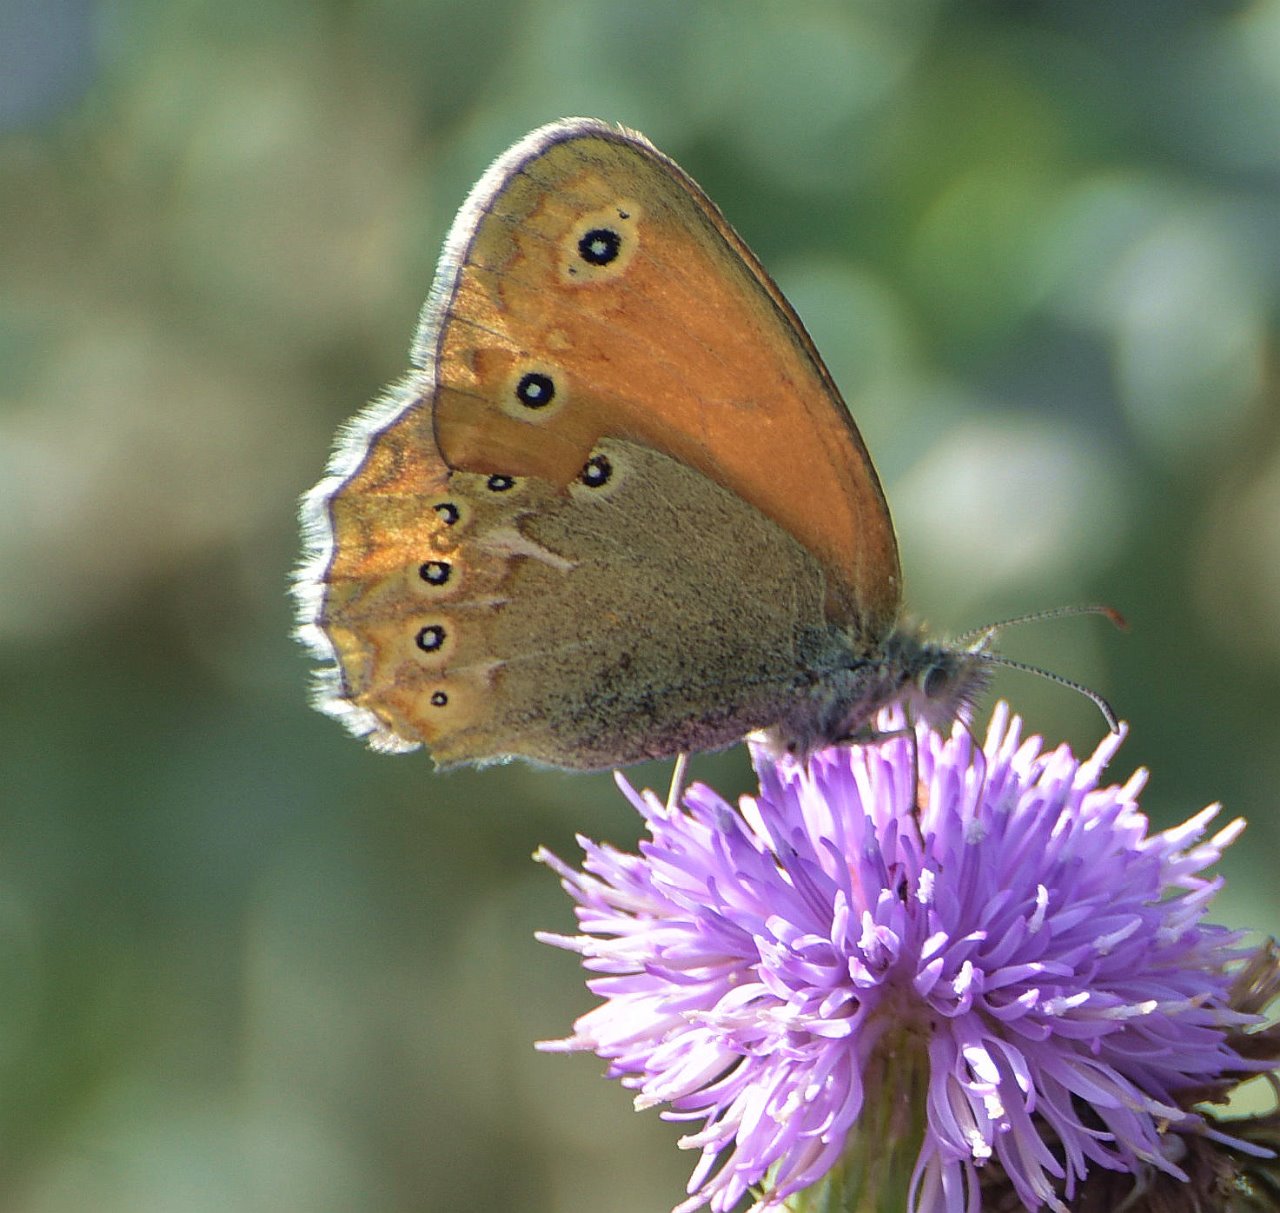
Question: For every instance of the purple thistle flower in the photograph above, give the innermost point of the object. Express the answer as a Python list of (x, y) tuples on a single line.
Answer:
[(1012, 972)]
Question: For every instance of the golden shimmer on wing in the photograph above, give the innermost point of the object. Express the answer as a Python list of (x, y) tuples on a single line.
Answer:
[(385, 526), (687, 348)]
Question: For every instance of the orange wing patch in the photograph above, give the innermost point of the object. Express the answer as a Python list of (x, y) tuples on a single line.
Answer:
[(673, 336)]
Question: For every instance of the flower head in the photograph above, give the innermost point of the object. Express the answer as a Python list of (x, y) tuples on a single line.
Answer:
[(997, 964)]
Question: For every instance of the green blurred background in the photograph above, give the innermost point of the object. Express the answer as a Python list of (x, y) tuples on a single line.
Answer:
[(246, 964)]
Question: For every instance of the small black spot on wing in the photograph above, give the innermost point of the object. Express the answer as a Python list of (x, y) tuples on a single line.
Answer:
[(430, 639), (535, 390), (596, 472), (599, 246), (435, 572)]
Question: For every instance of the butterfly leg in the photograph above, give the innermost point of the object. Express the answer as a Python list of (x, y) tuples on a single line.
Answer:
[(917, 792), (980, 756), (678, 773)]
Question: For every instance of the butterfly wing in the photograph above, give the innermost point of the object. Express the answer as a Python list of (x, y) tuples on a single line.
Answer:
[(589, 292), (669, 332)]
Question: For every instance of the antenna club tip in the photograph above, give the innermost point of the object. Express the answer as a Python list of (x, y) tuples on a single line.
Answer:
[(1116, 618)]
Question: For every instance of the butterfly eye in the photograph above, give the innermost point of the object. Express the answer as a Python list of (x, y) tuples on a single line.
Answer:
[(597, 472), (599, 246), (934, 682), (435, 572)]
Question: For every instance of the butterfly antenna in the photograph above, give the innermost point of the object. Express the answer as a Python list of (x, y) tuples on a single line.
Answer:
[(1101, 704), (1092, 608)]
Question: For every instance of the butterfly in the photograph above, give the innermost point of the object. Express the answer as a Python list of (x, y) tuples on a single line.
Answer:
[(617, 510)]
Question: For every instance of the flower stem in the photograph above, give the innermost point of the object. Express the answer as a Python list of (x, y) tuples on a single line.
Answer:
[(874, 1175)]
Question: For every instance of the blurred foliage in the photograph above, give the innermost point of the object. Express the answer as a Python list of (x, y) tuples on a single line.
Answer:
[(247, 964)]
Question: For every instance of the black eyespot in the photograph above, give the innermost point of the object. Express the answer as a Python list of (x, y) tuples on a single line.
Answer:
[(439, 699), (500, 484), (431, 638), (599, 246), (449, 513), (535, 390), (435, 572), (596, 472)]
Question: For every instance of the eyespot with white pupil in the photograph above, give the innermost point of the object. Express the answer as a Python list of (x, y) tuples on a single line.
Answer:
[(500, 484), (430, 639), (596, 472), (439, 699), (449, 513), (535, 390), (599, 246), (435, 572)]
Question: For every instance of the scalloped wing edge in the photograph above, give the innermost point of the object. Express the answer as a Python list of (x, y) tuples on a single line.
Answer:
[(329, 693)]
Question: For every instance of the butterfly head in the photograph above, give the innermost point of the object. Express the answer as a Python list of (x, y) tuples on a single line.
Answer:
[(937, 683)]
